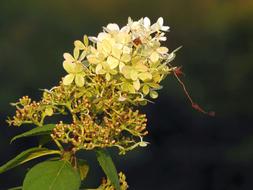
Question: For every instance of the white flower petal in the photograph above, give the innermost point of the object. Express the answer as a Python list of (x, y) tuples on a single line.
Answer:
[(79, 44), (130, 20), (108, 76), (102, 35), (68, 79), (118, 46), (93, 39), (126, 50), (93, 59), (154, 57), (135, 25), (146, 22), (125, 58), (160, 21), (162, 50), (140, 67), (125, 29), (134, 75), (83, 55), (137, 84), (163, 38), (126, 70), (113, 27), (78, 67), (121, 66), (145, 76), (112, 62), (79, 80), (99, 69), (69, 66), (155, 27), (68, 57), (165, 28), (116, 52), (76, 53), (105, 46)]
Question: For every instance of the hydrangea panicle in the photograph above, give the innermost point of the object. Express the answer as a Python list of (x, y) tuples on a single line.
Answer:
[(106, 81)]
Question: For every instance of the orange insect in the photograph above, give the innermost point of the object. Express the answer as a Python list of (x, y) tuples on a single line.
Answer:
[(137, 41)]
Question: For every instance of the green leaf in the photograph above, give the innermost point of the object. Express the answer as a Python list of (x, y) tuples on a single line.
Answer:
[(44, 139), (108, 166), (52, 175), (26, 156), (16, 188), (83, 168), (43, 130)]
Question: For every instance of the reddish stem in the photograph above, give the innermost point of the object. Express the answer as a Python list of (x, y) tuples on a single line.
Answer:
[(178, 72)]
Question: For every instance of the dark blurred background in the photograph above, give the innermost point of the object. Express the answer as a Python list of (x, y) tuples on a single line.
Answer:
[(188, 150)]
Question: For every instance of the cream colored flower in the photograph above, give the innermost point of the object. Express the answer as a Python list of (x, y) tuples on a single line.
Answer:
[(131, 56), (146, 23), (158, 53), (159, 26), (109, 54), (112, 27), (105, 69), (74, 69), (138, 73)]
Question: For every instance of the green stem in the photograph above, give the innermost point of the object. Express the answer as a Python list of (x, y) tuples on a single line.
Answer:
[(58, 145)]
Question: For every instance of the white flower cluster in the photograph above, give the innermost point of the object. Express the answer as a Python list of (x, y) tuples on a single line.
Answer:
[(131, 55)]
